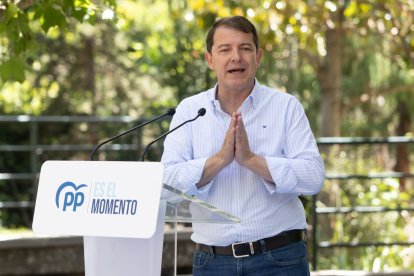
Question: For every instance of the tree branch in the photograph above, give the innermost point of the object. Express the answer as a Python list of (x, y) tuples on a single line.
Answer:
[(374, 93)]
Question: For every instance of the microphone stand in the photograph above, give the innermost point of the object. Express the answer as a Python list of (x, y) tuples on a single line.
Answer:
[(201, 112), (170, 112)]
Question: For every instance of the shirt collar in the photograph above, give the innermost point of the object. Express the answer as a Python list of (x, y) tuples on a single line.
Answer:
[(253, 97), (255, 94)]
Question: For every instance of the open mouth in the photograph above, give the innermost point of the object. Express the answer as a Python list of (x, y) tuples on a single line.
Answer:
[(235, 71)]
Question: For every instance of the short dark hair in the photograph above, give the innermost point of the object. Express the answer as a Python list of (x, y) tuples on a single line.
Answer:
[(239, 23)]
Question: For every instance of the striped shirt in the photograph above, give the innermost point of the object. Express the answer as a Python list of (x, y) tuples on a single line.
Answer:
[(278, 130)]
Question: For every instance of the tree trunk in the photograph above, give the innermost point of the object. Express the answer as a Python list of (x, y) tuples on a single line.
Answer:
[(330, 77), (404, 123), (90, 85)]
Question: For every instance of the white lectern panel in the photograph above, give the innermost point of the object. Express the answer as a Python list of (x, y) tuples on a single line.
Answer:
[(106, 256), (98, 198)]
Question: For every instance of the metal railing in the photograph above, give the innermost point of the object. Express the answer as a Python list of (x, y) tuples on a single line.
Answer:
[(35, 149), (316, 212)]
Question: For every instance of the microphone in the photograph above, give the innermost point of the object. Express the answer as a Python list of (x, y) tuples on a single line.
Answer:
[(201, 112), (170, 112)]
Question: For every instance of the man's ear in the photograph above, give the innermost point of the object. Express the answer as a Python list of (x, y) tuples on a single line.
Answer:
[(259, 56), (209, 59)]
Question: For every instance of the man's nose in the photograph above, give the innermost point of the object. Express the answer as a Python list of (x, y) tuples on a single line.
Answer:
[(235, 55)]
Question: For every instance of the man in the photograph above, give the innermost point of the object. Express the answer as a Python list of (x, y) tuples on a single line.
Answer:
[(251, 155)]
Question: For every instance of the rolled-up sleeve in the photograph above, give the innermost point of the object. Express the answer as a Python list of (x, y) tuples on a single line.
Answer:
[(301, 169), (181, 170), (185, 175)]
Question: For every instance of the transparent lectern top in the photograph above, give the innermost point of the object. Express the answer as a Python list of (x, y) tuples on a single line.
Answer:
[(182, 207)]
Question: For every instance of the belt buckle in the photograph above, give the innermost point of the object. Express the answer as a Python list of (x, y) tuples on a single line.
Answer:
[(242, 256)]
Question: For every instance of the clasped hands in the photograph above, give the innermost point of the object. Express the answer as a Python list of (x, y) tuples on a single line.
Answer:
[(235, 147), (236, 143)]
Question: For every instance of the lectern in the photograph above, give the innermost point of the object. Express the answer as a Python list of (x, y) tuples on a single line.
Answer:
[(120, 209)]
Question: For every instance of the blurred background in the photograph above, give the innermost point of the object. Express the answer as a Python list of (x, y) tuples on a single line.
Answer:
[(73, 73)]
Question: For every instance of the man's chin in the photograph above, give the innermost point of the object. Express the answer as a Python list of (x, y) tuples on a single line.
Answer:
[(239, 79), (239, 84)]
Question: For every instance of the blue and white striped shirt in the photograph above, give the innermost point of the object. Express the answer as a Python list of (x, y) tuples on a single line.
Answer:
[(278, 130)]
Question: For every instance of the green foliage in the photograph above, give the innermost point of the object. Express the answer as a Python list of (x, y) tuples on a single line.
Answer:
[(62, 57), (18, 24), (368, 227), (13, 69)]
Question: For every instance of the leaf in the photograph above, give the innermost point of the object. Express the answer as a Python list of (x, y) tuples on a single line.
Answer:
[(13, 69), (53, 17), (79, 14), (11, 12)]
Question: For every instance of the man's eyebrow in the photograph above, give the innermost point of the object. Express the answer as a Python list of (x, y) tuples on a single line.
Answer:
[(240, 45), (223, 45), (247, 44)]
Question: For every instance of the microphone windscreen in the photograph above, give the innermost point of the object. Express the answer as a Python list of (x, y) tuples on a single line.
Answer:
[(202, 111), (171, 111)]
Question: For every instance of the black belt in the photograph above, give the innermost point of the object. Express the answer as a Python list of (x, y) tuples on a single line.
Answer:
[(245, 249)]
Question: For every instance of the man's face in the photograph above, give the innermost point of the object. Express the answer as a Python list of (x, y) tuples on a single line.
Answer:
[(234, 59)]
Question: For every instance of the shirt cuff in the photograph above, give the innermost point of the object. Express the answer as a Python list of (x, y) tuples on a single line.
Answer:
[(282, 175), (271, 187), (197, 168)]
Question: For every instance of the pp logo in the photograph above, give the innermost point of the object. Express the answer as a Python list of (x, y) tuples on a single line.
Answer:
[(72, 197)]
